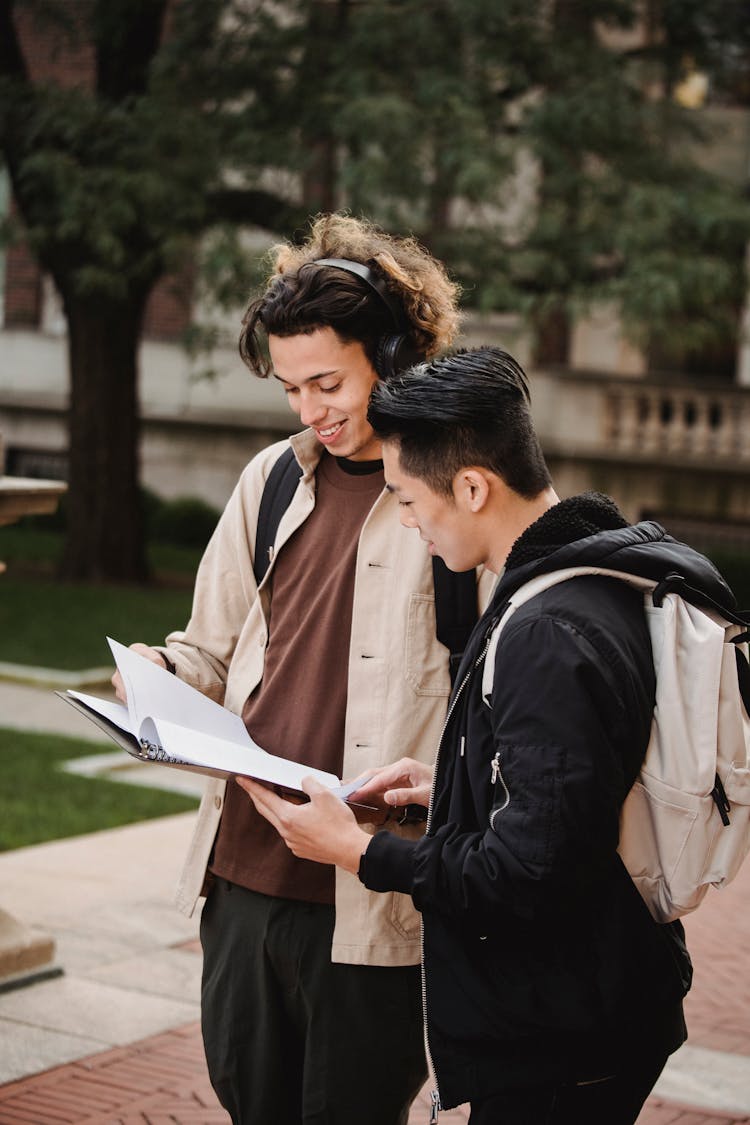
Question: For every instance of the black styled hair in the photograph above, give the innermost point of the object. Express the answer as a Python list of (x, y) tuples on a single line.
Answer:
[(470, 408)]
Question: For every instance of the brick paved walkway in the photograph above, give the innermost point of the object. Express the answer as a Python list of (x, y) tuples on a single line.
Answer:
[(163, 1081)]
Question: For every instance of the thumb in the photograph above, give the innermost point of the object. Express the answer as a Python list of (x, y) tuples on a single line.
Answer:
[(312, 786)]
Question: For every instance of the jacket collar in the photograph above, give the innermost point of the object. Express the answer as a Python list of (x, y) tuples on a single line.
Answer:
[(308, 450), (595, 540)]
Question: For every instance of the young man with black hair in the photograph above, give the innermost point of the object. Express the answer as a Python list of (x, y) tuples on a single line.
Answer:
[(311, 983), (552, 996)]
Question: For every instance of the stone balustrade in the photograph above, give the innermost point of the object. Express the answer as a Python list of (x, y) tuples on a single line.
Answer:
[(695, 423), (615, 418), (677, 448)]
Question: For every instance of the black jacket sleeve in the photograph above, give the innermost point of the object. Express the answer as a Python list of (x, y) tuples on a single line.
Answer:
[(568, 728)]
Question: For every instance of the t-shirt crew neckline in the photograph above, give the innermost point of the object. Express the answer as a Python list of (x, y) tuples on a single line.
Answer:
[(349, 476)]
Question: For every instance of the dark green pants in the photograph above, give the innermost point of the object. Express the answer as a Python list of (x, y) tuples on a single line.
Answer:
[(292, 1039)]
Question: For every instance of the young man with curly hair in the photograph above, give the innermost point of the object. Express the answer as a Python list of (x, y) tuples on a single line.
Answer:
[(311, 1000)]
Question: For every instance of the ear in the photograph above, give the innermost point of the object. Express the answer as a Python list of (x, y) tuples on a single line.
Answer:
[(471, 489)]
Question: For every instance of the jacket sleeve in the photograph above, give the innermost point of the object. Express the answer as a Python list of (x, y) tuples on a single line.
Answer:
[(225, 586), (566, 719)]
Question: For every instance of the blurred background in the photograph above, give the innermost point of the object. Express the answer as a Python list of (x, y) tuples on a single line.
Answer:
[(582, 167)]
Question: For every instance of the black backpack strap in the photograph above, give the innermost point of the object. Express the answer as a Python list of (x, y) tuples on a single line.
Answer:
[(279, 489), (677, 584), (455, 609)]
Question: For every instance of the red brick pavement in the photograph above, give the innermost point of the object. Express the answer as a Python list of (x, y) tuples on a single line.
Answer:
[(163, 1080)]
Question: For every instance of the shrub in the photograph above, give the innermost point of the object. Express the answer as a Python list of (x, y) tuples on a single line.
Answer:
[(735, 567), (184, 522)]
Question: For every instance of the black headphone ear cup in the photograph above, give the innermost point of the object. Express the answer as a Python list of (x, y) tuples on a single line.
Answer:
[(395, 354)]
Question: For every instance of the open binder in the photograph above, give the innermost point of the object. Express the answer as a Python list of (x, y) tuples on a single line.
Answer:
[(169, 722)]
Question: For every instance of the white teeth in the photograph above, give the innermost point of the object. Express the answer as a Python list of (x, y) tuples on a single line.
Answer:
[(330, 430)]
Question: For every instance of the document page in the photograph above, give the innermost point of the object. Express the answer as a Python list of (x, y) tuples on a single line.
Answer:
[(249, 760), (154, 692), (168, 720), (115, 712)]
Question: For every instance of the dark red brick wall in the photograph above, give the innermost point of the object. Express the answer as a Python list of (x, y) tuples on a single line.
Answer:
[(23, 288), (168, 310), (57, 53)]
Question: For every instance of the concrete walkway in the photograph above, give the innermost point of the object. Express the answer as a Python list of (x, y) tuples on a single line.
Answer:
[(115, 1039)]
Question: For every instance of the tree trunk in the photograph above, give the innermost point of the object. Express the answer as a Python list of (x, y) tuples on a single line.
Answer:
[(105, 524), (552, 337)]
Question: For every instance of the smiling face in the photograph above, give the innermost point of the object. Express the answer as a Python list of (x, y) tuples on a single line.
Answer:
[(328, 384), (445, 523)]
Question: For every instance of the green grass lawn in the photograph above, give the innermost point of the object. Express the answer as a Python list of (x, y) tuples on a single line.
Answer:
[(39, 801), (58, 625), (53, 624)]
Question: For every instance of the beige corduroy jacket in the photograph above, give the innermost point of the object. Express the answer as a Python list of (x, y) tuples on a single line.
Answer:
[(398, 681)]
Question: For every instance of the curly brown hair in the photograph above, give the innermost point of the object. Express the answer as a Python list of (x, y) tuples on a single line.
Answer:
[(301, 296)]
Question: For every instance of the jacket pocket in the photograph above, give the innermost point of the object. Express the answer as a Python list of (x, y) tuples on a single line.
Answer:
[(405, 918), (425, 659)]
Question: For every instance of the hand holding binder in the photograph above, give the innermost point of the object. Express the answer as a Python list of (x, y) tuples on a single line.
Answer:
[(168, 721)]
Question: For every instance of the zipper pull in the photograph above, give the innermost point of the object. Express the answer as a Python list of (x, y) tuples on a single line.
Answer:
[(495, 766), (435, 1106)]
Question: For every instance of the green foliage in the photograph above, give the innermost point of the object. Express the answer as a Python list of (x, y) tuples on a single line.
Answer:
[(39, 801), (735, 567), (114, 184), (185, 522)]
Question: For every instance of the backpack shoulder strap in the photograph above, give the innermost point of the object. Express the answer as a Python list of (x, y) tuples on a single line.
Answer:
[(456, 611), (279, 489), (536, 586)]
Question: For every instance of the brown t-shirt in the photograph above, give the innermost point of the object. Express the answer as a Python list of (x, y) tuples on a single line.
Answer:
[(298, 710)]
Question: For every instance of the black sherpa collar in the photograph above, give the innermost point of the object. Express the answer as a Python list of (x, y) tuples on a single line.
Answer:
[(567, 521)]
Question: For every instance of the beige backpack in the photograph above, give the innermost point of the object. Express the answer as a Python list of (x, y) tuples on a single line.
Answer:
[(685, 824)]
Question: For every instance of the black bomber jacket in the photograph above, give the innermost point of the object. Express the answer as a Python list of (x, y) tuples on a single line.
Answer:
[(541, 962)]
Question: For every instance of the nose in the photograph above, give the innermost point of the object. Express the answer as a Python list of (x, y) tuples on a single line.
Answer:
[(311, 410), (407, 519)]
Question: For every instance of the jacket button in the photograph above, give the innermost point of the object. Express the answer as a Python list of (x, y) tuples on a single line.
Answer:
[(217, 802)]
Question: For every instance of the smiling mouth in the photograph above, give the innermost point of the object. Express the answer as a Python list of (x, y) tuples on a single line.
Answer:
[(329, 431)]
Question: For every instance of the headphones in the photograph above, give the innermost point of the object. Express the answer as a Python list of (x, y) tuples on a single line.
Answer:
[(393, 353)]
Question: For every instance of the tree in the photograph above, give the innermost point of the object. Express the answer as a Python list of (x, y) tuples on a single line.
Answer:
[(115, 171), (536, 147), (549, 163)]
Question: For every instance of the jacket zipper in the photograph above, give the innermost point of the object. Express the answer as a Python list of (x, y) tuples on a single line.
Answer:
[(435, 1106), (495, 776)]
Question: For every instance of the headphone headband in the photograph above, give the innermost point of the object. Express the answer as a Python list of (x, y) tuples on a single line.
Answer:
[(393, 352), (376, 283)]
